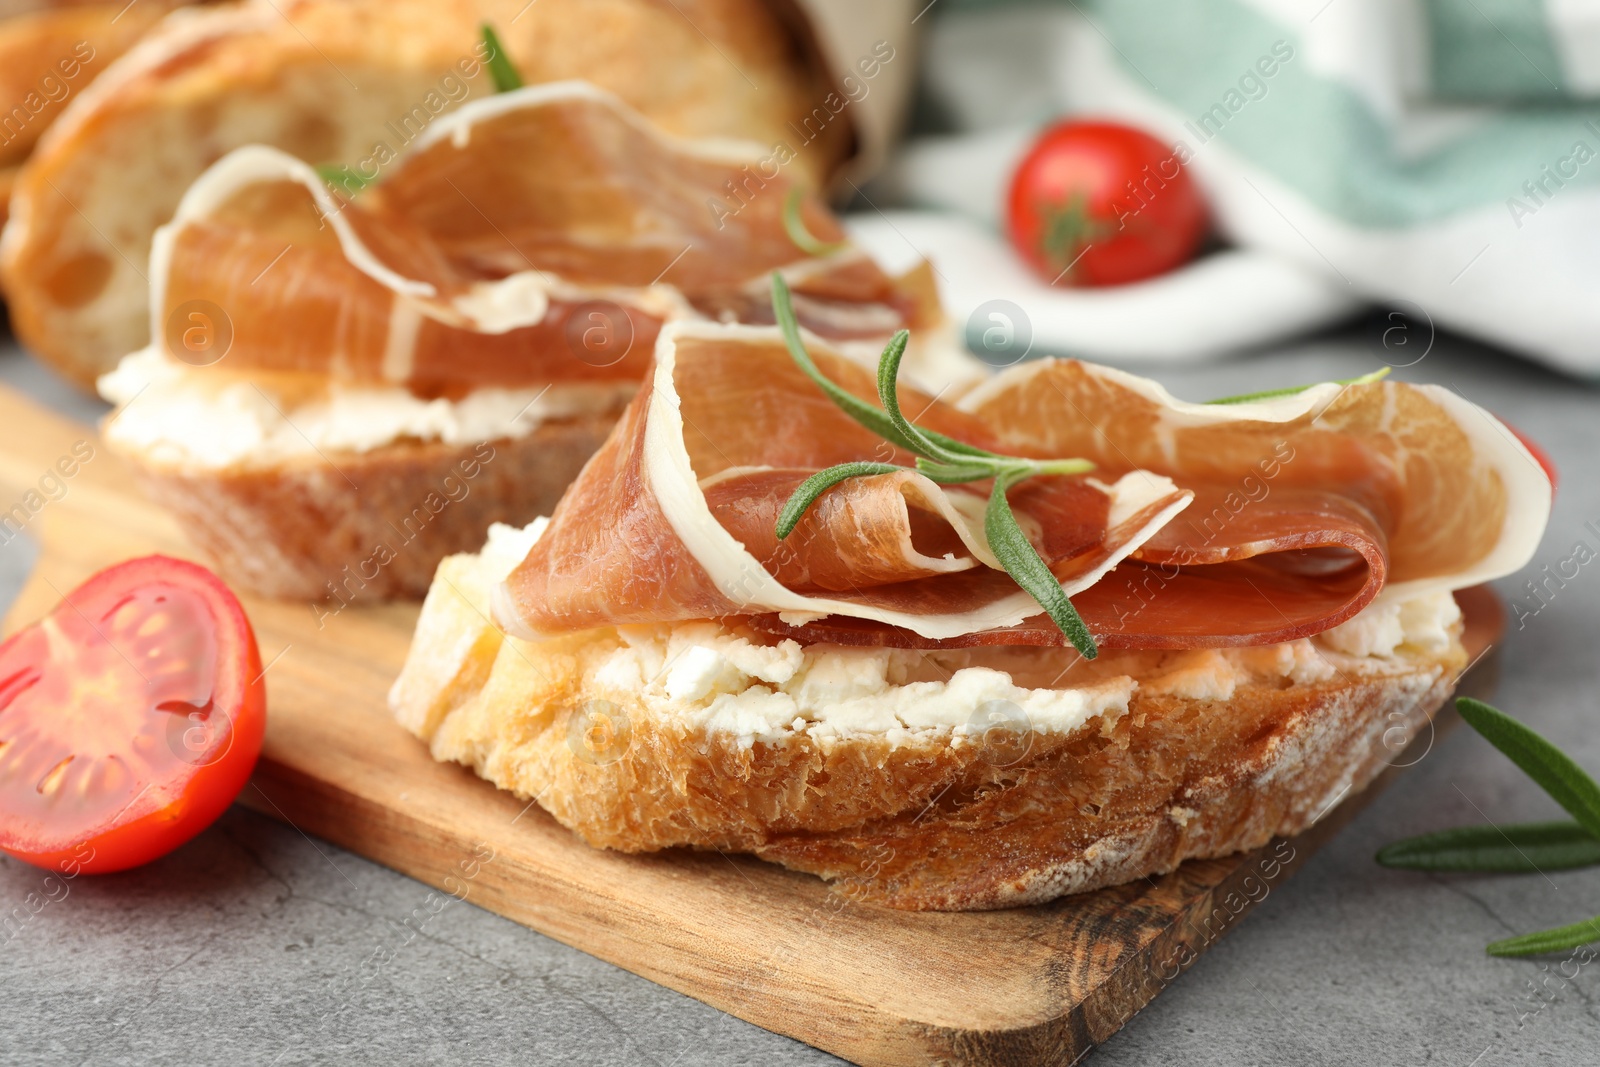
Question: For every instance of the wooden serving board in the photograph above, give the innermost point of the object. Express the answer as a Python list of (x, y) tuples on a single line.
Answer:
[(1028, 985)]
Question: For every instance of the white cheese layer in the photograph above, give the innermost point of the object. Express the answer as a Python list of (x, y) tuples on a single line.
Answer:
[(708, 676), (712, 678), (1428, 623), (170, 413)]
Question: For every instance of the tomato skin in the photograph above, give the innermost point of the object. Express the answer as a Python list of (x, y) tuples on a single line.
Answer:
[(1539, 454), (1098, 203), (197, 788)]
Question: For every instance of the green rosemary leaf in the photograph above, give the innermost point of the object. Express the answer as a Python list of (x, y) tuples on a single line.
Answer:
[(795, 227), (1556, 940), (344, 178), (1513, 848), (1012, 548), (1365, 379), (933, 443), (950, 444), (501, 71), (802, 498), (889, 395), (852, 405), (975, 470), (954, 473), (1547, 765)]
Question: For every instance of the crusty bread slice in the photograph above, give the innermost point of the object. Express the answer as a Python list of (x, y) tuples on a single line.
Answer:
[(951, 801), (330, 80), (343, 527)]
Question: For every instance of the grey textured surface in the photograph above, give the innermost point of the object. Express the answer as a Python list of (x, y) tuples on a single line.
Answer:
[(256, 945)]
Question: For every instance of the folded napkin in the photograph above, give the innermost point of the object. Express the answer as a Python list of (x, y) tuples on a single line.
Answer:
[(1441, 156)]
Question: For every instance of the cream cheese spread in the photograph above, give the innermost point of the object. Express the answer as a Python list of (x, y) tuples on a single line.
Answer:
[(710, 677), (170, 413)]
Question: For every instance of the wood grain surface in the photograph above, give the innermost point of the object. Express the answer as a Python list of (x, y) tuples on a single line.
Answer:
[(1028, 985)]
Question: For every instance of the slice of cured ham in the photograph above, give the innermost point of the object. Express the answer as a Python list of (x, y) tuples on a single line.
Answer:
[(1204, 525), (673, 518), (541, 235), (1457, 497)]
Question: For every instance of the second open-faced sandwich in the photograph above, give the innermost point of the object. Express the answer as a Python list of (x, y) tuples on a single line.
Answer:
[(1063, 633), (347, 384), (349, 81)]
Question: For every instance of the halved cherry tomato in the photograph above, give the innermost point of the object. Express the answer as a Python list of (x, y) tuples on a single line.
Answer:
[(130, 717), (1095, 203), (1539, 454)]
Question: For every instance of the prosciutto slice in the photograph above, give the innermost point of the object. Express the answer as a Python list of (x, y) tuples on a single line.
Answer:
[(1295, 565), (540, 235), (1204, 525), (1457, 498), (662, 523)]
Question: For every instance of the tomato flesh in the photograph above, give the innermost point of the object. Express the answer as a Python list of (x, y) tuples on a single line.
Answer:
[(130, 717), (1097, 203)]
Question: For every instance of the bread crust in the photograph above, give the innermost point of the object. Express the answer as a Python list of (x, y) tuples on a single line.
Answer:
[(926, 821), (347, 527)]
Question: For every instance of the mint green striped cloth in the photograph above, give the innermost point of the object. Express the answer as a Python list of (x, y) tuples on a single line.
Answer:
[(1440, 152)]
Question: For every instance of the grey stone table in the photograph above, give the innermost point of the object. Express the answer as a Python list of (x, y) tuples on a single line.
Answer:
[(254, 945)]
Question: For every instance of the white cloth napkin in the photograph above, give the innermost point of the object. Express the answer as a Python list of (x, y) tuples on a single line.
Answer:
[(1399, 151)]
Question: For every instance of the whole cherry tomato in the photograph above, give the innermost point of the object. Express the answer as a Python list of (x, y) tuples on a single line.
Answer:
[(1096, 203), (130, 717)]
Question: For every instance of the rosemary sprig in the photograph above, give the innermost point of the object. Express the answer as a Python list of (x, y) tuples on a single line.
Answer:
[(795, 227), (1523, 847), (501, 72), (1245, 398), (944, 460)]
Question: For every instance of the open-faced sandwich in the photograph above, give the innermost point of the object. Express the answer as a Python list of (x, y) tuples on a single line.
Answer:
[(356, 82), (346, 384), (1063, 633)]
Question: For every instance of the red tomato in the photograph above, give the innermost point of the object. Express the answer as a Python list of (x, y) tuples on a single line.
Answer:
[(130, 717), (1095, 203), (1539, 454)]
